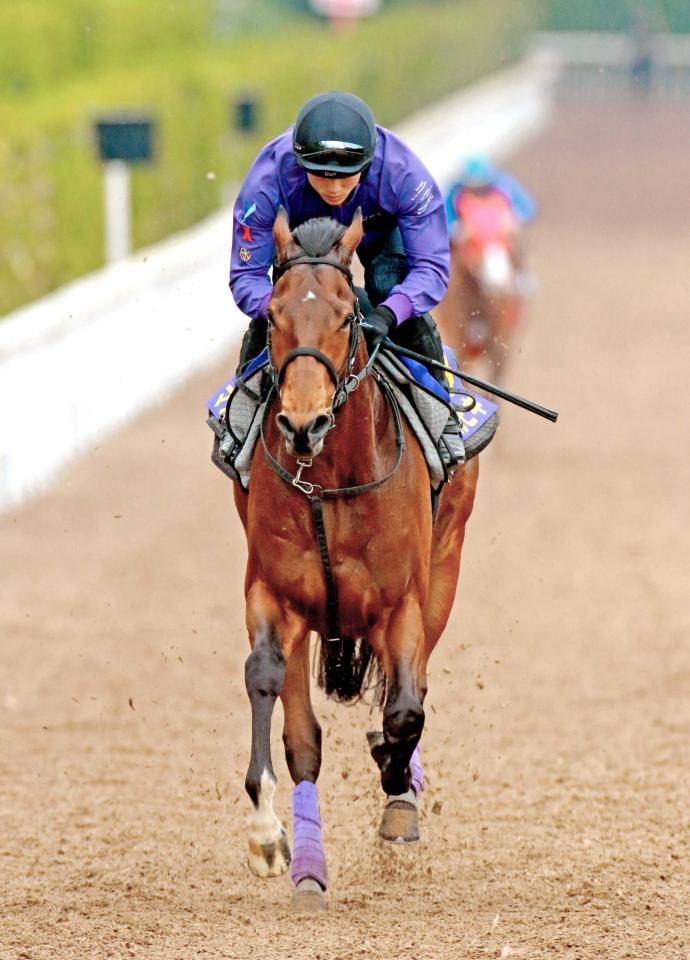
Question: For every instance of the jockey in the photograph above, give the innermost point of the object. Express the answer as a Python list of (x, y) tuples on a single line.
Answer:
[(481, 179), (332, 161)]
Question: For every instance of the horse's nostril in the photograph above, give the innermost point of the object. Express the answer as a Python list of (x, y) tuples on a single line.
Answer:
[(285, 425), (320, 425), (303, 439)]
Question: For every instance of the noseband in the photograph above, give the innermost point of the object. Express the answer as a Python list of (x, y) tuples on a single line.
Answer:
[(343, 385)]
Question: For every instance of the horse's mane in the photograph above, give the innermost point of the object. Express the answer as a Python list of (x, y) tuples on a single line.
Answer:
[(318, 236)]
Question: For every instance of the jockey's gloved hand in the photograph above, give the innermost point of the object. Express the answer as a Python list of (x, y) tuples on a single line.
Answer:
[(380, 322)]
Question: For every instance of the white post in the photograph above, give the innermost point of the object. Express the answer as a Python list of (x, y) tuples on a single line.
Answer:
[(117, 210)]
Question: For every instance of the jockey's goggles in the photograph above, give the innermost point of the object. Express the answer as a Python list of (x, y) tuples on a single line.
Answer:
[(333, 158)]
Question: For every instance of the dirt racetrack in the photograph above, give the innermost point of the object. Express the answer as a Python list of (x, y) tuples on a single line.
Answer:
[(557, 736)]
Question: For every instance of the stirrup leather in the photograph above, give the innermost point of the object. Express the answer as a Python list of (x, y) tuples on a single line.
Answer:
[(450, 444)]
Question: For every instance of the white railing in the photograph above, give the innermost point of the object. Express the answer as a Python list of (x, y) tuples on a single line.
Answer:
[(577, 48), (80, 362)]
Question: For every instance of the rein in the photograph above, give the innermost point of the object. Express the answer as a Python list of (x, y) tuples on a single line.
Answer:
[(343, 386), (330, 493)]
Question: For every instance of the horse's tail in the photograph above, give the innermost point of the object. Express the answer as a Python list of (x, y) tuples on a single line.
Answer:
[(348, 669)]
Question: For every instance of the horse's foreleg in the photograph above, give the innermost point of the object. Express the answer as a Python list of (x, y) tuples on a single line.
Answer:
[(302, 739), (396, 748), (270, 636), (269, 854), (400, 820)]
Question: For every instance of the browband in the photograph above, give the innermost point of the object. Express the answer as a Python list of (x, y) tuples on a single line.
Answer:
[(297, 261)]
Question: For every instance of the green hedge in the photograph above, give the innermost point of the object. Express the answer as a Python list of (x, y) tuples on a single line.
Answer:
[(188, 72)]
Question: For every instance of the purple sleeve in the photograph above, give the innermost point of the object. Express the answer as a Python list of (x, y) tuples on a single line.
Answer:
[(254, 214), (418, 202)]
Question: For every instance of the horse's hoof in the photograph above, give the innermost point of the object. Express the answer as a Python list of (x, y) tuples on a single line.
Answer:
[(400, 822), (308, 897), (269, 859)]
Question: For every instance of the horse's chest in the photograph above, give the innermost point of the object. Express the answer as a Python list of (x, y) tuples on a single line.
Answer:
[(365, 555)]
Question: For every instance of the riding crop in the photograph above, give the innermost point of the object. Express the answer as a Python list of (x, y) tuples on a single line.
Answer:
[(519, 401)]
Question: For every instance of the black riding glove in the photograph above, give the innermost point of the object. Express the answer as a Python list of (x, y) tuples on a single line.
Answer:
[(380, 322)]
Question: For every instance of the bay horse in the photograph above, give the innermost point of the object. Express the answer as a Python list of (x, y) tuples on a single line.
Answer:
[(482, 306), (376, 569)]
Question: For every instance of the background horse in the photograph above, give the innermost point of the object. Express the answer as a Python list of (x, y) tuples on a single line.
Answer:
[(393, 572), (483, 305)]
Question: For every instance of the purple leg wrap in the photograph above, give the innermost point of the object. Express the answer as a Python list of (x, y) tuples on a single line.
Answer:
[(416, 771), (308, 858)]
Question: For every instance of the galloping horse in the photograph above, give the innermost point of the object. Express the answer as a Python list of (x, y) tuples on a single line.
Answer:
[(483, 305), (341, 541)]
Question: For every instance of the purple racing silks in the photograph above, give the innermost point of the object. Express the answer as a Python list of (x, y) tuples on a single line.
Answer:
[(397, 191)]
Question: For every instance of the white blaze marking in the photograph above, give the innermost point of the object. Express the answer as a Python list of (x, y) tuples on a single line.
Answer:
[(310, 296)]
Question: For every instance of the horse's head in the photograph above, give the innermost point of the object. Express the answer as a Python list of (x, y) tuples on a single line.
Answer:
[(312, 314)]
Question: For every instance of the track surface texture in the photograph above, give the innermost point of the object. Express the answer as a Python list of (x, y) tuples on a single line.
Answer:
[(555, 822)]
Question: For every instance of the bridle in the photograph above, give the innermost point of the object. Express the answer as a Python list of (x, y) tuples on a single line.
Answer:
[(344, 384)]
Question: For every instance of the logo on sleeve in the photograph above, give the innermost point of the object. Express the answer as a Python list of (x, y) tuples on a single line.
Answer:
[(422, 196), (247, 234), (245, 255), (249, 209)]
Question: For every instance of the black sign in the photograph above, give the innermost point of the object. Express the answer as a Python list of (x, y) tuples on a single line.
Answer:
[(125, 137), (246, 113)]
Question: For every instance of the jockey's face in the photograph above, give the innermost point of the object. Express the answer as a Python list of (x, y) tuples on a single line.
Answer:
[(334, 190)]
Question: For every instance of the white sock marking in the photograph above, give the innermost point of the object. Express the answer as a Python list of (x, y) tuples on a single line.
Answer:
[(266, 830), (265, 827)]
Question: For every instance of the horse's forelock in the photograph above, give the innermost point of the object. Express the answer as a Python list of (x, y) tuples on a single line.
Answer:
[(318, 236)]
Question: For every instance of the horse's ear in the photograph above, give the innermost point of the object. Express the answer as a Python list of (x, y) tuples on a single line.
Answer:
[(282, 234), (354, 233)]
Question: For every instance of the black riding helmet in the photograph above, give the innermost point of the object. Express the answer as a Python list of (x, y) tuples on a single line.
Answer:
[(334, 135)]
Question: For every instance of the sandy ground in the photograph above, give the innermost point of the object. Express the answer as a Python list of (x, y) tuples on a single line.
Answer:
[(557, 732)]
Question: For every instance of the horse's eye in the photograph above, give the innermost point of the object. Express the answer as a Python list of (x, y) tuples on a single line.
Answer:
[(349, 319)]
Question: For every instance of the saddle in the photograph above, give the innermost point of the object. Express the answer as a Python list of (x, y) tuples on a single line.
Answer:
[(237, 408)]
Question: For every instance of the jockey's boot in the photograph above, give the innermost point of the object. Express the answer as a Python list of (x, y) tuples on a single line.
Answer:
[(253, 342), (229, 444), (421, 335)]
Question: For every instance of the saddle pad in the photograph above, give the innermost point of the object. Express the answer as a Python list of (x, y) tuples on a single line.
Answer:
[(472, 420), (423, 402), (218, 400), (480, 422)]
